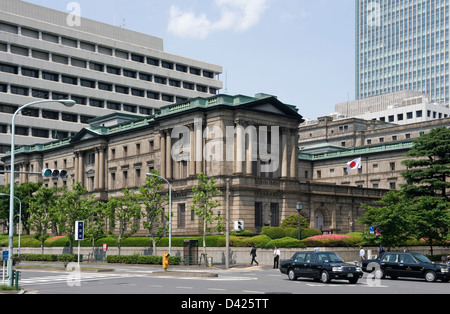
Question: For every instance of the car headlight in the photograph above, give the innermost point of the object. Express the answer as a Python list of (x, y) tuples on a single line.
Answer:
[(444, 270), (336, 269), (358, 269)]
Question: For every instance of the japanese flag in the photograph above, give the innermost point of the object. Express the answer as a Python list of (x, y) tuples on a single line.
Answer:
[(354, 164)]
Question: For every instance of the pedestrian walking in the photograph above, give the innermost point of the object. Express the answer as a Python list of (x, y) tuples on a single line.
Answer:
[(276, 257), (253, 254), (362, 255)]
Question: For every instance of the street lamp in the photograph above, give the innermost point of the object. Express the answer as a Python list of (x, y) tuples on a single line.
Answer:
[(299, 207), (170, 208), (67, 103)]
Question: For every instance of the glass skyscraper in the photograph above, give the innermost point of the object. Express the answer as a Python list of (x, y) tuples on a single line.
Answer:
[(402, 45)]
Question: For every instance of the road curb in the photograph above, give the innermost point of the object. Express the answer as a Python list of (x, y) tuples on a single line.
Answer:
[(184, 274)]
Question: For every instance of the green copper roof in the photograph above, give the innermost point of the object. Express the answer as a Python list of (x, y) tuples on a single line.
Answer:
[(135, 121), (310, 155)]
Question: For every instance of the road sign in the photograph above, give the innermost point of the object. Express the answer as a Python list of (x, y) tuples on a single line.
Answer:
[(372, 230), (5, 255), (79, 230), (105, 247)]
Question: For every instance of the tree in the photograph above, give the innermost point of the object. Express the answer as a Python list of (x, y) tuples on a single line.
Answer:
[(124, 212), (73, 205), (153, 203), (431, 219), (25, 193), (428, 185), (94, 227), (427, 173), (203, 204), (42, 213), (392, 217)]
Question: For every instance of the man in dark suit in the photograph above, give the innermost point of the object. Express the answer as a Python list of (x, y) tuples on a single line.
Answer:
[(253, 254)]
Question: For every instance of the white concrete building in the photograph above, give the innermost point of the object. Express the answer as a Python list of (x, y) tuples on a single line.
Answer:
[(44, 54), (412, 110)]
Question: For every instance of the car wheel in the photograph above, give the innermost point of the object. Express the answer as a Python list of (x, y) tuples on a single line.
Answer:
[(291, 274), (380, 274), (325, 277), (430, 276)]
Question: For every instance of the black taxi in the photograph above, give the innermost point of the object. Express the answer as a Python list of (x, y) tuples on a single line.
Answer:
[(323, 266), (405, 264)]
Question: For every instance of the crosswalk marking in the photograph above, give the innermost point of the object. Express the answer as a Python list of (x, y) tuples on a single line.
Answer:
[(68, 278)]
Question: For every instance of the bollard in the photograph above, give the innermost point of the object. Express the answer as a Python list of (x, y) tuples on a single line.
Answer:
[(16, 277)]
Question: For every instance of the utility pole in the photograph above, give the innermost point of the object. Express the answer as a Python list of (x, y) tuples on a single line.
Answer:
[(227, 228)]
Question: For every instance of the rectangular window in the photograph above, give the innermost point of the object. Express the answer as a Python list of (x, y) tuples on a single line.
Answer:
[(259, 214), (122, 89), (30, 72), (181, 216), (274, 215), (50, 76), (9, 69)]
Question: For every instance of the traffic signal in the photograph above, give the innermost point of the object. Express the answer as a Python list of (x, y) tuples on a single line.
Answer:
[(79, 230), (166, 261), (54, 173)]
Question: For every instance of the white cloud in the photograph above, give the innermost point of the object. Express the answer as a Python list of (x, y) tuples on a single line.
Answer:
[(236, 15)]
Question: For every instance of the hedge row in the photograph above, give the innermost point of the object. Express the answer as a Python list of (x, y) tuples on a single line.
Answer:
[(280, 232), (51, 257), (141, 259)]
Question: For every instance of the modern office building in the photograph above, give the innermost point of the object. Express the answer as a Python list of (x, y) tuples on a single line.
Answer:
[(44, 54), (402, 107), (402, 45)]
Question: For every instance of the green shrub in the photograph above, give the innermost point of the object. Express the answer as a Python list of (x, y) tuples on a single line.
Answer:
[(333, 240), (285, 242), (69, 258), (292, 222), (273, 232), (41, 257), (141, 259), (52, 257), (243, 233)]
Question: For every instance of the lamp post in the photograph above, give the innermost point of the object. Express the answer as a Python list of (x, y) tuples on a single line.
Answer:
[(299, 207), (170, 208), (68, 103)]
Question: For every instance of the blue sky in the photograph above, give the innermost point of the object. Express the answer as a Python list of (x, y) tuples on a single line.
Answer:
[(302, 51)]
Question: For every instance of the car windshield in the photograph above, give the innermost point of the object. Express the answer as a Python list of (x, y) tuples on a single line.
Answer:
[(422, 258), (329, 258)]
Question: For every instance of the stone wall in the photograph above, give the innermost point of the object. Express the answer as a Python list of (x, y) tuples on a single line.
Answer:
[(238, 256)]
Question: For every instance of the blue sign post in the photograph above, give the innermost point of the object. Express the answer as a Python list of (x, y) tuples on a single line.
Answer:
[(5, 255), (79, 235)]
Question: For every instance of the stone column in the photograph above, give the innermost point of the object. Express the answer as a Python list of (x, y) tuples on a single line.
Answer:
[(239, 148), (101, 174), (162, 146), (191, 164), (249, 154), (75, 167), (80, 168), (97, 170), (284, 170), (294, 154), (168, 155), (199, 149)]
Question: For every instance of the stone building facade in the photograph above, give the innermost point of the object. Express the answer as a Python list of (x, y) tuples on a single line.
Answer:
[(327, 146), (251, 141)]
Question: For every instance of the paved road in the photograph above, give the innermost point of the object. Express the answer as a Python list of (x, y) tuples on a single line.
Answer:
[(241, 280)]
